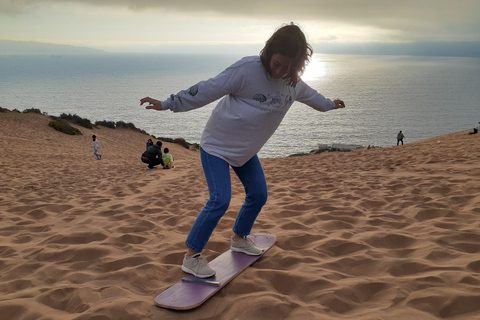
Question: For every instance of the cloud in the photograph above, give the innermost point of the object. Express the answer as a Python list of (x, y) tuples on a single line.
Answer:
[(380, 12), (406, 20)]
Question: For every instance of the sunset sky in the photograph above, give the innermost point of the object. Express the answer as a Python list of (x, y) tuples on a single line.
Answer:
[(145, 25)]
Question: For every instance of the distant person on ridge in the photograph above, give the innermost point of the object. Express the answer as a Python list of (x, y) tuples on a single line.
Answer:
[(400, 137), (476, 129), (96, 146), (256, 93), (153, 155), (167, 159)]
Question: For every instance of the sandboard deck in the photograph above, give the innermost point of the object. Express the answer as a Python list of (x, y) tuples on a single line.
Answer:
[(188, 295)]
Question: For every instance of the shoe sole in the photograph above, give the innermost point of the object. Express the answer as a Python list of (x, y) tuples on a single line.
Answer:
[(185, 269), (245, 251)]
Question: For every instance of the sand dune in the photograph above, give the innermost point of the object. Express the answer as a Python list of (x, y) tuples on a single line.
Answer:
[(385, 233)]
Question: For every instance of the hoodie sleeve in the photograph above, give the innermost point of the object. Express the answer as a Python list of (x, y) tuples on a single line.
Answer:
[(312, 98), (208, 91)]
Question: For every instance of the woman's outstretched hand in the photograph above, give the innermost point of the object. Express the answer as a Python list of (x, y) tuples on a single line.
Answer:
[(152, 103), (339, 104)]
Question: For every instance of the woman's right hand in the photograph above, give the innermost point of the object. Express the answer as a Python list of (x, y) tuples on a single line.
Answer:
[(152, 103)]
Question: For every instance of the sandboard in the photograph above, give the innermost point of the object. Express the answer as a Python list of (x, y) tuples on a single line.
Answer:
[(191, 292)]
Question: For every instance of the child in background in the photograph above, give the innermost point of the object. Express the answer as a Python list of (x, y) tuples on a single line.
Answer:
[(167, 159), (96, 146), (149, 143), (256, 92)]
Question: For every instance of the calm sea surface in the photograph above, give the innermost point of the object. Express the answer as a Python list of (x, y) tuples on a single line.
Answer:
[(422, 96)]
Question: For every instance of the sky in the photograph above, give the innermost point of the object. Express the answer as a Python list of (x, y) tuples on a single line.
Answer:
[(152, 25)]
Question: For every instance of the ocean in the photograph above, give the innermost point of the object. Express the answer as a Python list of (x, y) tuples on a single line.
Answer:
[(422, 96)]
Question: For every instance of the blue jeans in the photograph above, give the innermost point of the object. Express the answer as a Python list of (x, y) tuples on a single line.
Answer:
[(217, 173)]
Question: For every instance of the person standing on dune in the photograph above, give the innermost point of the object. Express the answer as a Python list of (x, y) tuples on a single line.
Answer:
[(400, 137)]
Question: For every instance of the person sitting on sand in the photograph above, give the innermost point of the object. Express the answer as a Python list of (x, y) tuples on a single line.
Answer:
[(96, 146), (476, 129), (256, 92), (153, 155), (167, 159)]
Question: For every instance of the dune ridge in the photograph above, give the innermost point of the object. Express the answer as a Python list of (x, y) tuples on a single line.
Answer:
[(385, 233)]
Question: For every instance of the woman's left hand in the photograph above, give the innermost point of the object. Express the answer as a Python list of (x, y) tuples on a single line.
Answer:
[(339, 104)]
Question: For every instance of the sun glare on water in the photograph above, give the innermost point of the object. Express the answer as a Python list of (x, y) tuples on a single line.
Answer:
[(316, 69)]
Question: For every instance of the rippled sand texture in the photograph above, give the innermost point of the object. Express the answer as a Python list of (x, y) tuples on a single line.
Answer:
[(385, 233)]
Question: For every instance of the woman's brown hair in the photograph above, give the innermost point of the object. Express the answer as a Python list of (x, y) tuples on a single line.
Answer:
[(289, 41)]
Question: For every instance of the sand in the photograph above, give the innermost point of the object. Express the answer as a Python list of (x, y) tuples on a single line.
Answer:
[(385, 233)]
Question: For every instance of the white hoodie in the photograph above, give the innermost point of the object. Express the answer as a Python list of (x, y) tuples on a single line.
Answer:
[(252, 107)]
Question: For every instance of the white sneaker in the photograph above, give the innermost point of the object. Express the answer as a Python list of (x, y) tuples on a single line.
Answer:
[(245, 245), (198, 266)]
